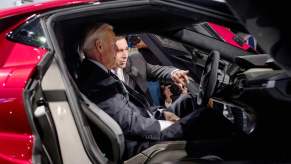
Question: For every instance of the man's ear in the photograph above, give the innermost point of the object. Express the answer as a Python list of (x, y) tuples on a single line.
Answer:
[(98, 45)]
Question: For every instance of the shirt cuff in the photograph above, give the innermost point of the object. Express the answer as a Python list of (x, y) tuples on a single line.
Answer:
[(165, 124)]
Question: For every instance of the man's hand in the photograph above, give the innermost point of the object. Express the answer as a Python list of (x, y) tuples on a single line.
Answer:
[(210, 103), (180, 78), (167, 93), (169, 116)]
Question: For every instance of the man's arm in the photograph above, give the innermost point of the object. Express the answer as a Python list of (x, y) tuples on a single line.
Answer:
[(157, 72), (167, 73), (130, 120)]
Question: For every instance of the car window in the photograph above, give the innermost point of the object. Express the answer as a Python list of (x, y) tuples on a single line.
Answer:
[(30, 33)]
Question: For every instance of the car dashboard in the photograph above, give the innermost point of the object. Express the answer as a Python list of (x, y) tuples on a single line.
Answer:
[(249, 97)]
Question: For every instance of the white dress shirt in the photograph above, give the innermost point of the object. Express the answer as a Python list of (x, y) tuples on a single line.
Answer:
[(119, 73)]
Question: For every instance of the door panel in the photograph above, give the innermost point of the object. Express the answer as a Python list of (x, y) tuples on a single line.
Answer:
[(72, 150)]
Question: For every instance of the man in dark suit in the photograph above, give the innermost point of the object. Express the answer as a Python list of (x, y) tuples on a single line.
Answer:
[(136, 72), (126, 106)]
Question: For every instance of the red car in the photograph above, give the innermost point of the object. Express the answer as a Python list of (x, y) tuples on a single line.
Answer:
[(45, 119), (18, 61)]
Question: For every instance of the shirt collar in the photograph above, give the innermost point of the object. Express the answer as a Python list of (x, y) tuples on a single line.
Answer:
[(99, 64), (119, 73)]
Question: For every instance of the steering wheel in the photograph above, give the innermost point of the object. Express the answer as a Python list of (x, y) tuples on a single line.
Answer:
[(209, 78)]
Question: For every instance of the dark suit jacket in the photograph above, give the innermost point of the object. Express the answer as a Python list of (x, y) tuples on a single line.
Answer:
[(126, 107), (138, 72), (129, 109)]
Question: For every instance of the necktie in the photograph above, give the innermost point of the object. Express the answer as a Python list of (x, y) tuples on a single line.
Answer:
[(134, 94), (121, 83)]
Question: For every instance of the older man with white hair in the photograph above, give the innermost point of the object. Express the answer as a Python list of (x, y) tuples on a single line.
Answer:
[(127, 107)]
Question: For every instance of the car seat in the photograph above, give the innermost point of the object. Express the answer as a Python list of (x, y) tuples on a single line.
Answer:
[(108, 135)]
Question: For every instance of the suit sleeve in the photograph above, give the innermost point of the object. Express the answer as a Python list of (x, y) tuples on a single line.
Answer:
[(107, 93), (138, 65), (155, 72), (130, 120)]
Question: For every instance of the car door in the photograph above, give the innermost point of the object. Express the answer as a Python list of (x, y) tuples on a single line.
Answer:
[(46, 97)]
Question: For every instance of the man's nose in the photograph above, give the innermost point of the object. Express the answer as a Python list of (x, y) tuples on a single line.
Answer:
[(125, 54)]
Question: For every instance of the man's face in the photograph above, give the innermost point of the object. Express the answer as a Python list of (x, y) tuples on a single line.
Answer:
[(122, 53), (109, 49)]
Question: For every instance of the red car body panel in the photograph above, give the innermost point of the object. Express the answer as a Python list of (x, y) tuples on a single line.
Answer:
[(227, 36), (17, 63), (15, 148), (39, 7)]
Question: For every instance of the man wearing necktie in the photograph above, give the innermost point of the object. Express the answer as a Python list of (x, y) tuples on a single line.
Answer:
[(127, 107), (135, 72)]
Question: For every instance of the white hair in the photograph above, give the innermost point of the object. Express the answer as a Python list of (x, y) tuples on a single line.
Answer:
[(94, 33)]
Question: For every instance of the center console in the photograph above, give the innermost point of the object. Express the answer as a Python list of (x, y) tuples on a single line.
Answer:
[(240, 115)]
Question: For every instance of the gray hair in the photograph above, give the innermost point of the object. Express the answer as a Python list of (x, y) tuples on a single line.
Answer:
[(120, 37), (94, 33)]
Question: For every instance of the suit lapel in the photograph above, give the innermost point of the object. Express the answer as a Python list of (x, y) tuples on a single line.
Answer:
[(126, 78), (142, 84)]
